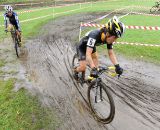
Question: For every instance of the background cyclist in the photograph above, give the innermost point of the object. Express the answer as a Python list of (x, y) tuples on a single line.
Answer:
[(11, 20)]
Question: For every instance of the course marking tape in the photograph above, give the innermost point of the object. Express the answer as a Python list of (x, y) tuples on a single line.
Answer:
[(108, 14), (142, 7), (128, 27), (145, 14), (53, 14), (138, 44), (29, 11), (63, 5)]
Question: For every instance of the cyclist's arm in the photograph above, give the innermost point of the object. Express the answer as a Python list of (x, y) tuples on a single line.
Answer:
[(112, 56), (90, 45), (5, 21), (17, 21), (89, 57)]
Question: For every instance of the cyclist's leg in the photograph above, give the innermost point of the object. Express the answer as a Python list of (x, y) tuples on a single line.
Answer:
[(82, 62), (9, 27), (82, 59), (81, 67), (18, 33)]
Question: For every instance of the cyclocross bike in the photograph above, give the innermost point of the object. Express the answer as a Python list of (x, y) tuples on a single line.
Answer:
[(15, 40), (100, 100), (155, 8)]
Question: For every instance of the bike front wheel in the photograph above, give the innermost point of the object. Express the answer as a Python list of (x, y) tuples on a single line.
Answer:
[(101, 102), (153, 9), (17, 48)]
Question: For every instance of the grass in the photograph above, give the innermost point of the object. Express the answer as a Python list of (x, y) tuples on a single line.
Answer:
[(149, 54), (20, 110)]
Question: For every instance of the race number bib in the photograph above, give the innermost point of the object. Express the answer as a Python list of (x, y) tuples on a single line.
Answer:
[(91, 42)]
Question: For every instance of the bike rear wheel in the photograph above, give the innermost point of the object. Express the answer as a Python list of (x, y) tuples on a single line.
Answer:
[(154, 9), (101, 102), (75, 61)]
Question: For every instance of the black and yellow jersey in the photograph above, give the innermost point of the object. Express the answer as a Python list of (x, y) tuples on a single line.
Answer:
[(92, 39)]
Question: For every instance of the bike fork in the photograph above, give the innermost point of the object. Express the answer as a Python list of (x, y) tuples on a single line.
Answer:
[(98, 89)]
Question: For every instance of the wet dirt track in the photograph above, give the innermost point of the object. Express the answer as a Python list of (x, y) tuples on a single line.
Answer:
[(136, 94)]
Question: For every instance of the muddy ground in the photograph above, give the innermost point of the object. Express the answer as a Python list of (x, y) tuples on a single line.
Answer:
[(48, 66)]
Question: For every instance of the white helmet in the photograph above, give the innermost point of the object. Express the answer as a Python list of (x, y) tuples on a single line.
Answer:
[(8, 8)]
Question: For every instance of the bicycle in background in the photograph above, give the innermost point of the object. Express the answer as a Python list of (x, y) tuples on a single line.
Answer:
[(155, 8), (15, 39)]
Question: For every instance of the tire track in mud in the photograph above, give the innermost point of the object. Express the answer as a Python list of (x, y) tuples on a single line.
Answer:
[(49, 58), (56, 84), (139, 94), (138, 100)]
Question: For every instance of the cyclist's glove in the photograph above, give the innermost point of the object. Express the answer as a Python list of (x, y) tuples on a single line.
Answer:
[(118, 69), (94, 73)]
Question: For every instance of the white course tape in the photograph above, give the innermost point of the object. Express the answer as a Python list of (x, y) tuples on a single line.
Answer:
[(53, 14), (123, 16), (142, 7), (64, 5), (34, 10), (138, 44), (145, 14), (108, 14)]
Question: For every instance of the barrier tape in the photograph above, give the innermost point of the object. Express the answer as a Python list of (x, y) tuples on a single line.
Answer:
[(64, 5), (109, 14), (29, 11), (138, 44), (142, 7), (145, 14), (27, 20), (26, 4), (128, 27)]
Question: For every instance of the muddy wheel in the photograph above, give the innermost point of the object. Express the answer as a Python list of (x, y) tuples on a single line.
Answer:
[(101, 102), (153, 9), (75, 61), (17, 48)]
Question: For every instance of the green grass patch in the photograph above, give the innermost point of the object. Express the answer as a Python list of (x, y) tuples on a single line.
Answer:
[(20, 110), (148, 54)]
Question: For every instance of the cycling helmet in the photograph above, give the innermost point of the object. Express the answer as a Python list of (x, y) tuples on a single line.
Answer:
[(115, 27), (8, 8)]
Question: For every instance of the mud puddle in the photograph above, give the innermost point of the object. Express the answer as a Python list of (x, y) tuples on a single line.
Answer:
[(136, 93)]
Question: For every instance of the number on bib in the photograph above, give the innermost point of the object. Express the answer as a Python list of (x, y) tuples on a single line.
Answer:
[(91, 42)]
